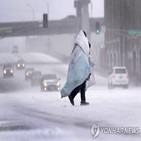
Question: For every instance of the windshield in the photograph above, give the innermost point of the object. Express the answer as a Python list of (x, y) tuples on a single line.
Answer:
[(120, 71), (49, 77)]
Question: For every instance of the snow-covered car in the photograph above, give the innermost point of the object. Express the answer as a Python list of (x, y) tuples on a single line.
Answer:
[(8, 71), (118, 77), (20, 65), (36, 78), (28, 73), (50, 82)]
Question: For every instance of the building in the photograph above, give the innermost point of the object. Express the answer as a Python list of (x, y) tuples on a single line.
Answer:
[(123, 35)]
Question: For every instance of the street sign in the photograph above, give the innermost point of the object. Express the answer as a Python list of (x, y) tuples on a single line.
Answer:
[(134, 32)]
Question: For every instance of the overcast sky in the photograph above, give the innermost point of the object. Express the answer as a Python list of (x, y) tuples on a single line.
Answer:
[(23, 10)]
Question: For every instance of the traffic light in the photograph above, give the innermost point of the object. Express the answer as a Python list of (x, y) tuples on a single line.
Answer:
[(97, 27), (45, 20)]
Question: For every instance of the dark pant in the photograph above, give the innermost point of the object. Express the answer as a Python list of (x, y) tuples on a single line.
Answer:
[(81, 88)]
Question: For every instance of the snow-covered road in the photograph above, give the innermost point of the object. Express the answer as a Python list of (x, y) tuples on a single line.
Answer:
[(26, 113)]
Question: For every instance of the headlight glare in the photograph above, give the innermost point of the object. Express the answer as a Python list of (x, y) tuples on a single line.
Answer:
[(4, 71), (58, 84), (11, 71), (45, 84)]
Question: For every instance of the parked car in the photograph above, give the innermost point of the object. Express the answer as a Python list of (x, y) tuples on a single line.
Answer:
[(36, 78), (118, 77), (28, 73), (50, 82), (8, 71), (20, 65)]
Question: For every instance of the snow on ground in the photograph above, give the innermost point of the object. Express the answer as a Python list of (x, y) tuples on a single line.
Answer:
[(42, 110), (29, 114), (8, 58), (38, 58)]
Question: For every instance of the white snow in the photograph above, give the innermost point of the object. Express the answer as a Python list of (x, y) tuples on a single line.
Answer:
[(45, 116), (38, 58), (8, 58)]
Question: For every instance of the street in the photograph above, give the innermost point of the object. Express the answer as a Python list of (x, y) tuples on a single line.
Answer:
[(70, 70), (26, 113)]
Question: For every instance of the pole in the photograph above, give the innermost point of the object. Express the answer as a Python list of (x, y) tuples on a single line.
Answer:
[(48, 40)]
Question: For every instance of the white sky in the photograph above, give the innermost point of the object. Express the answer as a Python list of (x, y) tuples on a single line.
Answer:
[(22, 10)]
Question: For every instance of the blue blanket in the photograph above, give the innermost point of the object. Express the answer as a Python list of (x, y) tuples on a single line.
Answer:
[(78, 72)]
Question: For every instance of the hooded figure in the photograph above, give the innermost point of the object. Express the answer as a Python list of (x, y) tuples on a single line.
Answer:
[(79, 69)]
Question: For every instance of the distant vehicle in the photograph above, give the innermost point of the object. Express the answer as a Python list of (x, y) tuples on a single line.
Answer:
[(36, 78), (118, 77), (50, 82), (15, 49), (28, 73), (8, 71), (20, 65), (70, 17)]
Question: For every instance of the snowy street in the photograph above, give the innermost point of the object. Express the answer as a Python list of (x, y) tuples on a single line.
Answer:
[(70, 70), (26, 113)]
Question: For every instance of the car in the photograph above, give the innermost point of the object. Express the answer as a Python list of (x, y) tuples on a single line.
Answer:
[(118, 77), (15, 50), (50, 82), (28, 73), (20, 65), (8, 71), (70, 17), (36, 78)]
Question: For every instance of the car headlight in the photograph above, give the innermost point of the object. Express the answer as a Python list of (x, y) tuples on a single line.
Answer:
[(18, 65), (23, 65), (11, 71), (27, 73), (4, 71), (58, 84), (45, 84)]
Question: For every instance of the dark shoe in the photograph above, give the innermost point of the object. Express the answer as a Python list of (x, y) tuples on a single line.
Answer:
[(71, 100), (84, 103)]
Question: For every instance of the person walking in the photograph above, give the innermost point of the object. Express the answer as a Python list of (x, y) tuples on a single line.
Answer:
[(79, 70)]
